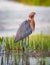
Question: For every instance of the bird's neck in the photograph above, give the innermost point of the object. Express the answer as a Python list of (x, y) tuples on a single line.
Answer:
[(32, 24)]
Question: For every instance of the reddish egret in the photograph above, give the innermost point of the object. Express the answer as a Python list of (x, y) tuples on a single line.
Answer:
[(26, 28)]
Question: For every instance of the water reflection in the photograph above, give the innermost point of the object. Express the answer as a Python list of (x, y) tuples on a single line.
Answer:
[(16, 59)]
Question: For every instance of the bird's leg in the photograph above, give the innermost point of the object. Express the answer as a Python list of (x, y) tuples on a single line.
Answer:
[(23, 51), (28, 40), (27, 55), (25, 44)]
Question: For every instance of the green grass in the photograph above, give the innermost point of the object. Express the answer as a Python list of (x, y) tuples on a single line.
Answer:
[(36, 42)]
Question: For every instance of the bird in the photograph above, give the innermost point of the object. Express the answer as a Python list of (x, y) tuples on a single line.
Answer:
[(26, 28)]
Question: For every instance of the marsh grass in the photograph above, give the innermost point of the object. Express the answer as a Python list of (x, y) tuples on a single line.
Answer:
[(36, 42)]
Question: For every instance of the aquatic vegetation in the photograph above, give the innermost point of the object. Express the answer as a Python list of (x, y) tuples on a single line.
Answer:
[(36, 42), (37, 46)]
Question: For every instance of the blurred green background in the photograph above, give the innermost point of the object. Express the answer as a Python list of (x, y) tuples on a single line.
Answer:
[(35, 2)]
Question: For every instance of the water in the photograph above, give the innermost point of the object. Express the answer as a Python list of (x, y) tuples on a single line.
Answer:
[(32, 61), (13, 14), (15, 58)]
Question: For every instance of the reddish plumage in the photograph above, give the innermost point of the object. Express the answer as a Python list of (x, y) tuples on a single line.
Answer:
[(31, 18)]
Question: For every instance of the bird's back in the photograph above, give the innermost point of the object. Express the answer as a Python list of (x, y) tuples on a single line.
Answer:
[(23, 31)]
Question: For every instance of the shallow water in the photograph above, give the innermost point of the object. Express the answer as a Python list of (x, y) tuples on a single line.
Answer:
[(15, 58), (32, 61)]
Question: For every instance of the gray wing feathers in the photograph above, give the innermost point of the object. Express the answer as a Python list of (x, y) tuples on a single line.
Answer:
[(23, 31)]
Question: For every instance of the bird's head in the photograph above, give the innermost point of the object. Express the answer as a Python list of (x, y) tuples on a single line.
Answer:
[(31, 20), (31, 15)]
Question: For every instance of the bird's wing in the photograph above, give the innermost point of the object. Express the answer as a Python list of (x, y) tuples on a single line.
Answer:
[(23, 31)]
